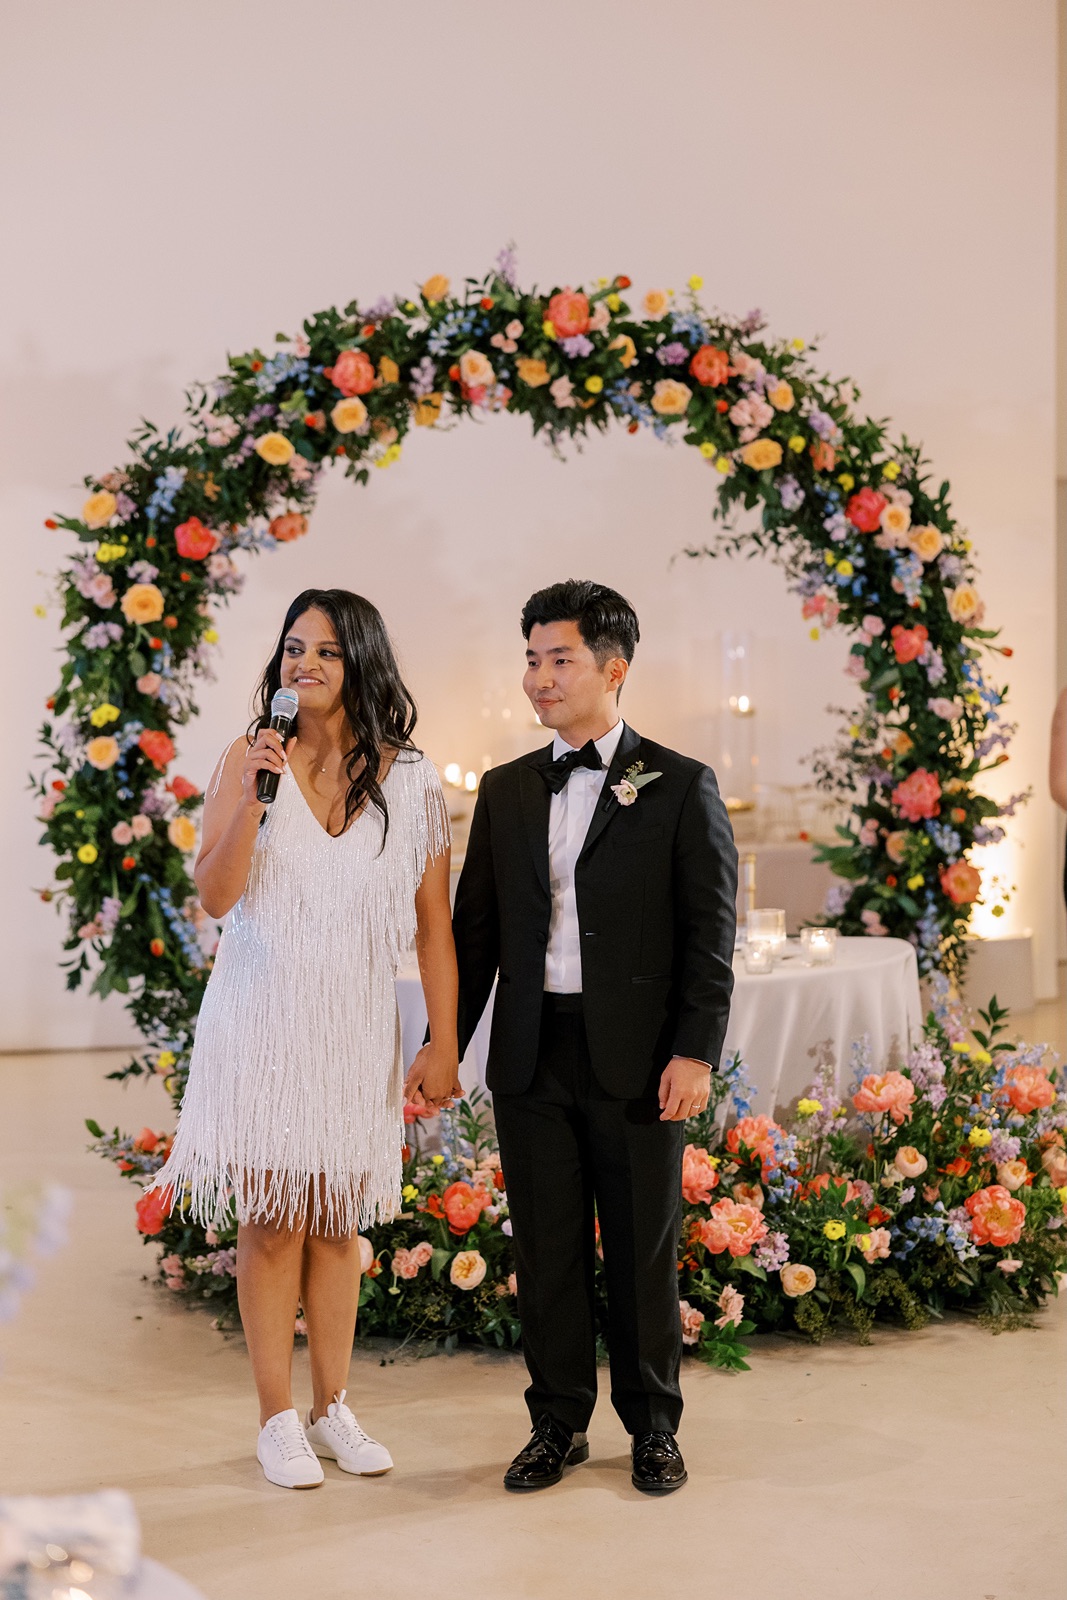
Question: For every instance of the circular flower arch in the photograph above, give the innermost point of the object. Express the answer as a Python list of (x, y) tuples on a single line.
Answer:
[(865, 541)]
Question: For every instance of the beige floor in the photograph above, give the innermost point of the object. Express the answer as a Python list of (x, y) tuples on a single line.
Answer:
[(925, 1467)]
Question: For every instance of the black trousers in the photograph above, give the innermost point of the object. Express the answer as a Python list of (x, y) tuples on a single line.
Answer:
[(566, 1146)]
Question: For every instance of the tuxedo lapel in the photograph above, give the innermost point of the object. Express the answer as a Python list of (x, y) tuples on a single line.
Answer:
[(536, 801), (608, 805)]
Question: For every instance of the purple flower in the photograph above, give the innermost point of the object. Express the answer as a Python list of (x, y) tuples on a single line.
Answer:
[(108, 915), (672, 355), (752, 323), (820, 423), (507, 266), (949, 566), (772, 1252), (1004, 1147), (143, 571), (578, 346), (423, 377), (837, 527), (837, 897), (101, 634), (791, 492)]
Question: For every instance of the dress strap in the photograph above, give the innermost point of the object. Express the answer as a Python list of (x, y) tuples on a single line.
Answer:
[(216, 776)]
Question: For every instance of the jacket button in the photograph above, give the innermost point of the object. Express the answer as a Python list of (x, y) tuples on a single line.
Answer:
[(542, 938)]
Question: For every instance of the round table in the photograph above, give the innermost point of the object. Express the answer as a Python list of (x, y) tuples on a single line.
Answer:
[(785, 1023)]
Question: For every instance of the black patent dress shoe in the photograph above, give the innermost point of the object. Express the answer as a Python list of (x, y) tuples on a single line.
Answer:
[(551, 1448), (658, 1467)]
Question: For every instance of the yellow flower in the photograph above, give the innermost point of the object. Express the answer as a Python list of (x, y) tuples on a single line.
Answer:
[(798, 344), (427, 410), (626, 347), (796, 443), (834, 1230), (388, 371), (845, 568), (602, 283), (437, 1161), (165, 1060), (103, 714), (762, 454), (594, 384), (181, 831), (349, 415), (87, 854), (846, 480), (981, 1058), (40, 611), (808, 1108), (961, 1048), (106, 552), (891, 470), (102, 752), (813, 633), (548, 328), (854, 731), (829, 557), (99, 509), (781, 396), (275, 449), (409, 1192), (656, 303), (979, 1138), (696, 282), (612, 302), (1061, 1195), (863, 1240), (916, 881), (211, 636), (435, 288), (670, 398), (391, 455), (142, 602), (707, 450), (79, 814), (724, 465)]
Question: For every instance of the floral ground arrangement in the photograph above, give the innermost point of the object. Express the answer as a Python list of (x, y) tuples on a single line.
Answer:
[(939, 1187), (867, 541)]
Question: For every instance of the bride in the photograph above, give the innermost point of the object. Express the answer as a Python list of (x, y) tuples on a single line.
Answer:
[(293, 1108)]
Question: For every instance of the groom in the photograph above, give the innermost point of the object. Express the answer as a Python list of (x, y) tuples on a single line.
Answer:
[(598, 891)]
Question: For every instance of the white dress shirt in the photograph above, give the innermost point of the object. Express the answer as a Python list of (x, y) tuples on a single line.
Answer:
[(570, 814)]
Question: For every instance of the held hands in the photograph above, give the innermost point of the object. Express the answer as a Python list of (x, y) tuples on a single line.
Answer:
[(684, 1089), (433, 1079), (266, 754)]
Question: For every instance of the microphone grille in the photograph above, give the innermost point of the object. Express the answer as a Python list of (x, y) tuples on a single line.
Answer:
[(286, 703)]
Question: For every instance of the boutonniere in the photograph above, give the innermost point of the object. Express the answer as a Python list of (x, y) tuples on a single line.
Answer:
[(632, 780)]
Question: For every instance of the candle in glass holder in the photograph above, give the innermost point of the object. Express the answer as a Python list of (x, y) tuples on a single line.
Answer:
[(759, 955), (768, 925), (819, 946)]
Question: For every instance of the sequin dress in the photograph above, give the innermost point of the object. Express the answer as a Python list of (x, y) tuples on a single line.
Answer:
[(295, 1081)]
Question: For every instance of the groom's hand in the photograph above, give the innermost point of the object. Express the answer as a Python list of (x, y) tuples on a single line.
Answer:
[(684, 1089), (433, 1079)]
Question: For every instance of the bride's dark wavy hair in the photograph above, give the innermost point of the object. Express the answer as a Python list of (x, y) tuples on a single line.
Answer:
[(378, 706)]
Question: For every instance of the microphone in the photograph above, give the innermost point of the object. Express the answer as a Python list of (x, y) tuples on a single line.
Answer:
[(283, 710)]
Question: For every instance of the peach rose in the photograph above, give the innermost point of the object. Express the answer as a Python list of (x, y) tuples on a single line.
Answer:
[(731, 1307), (964, 605), (762, 454), (656, 302), (436, 287), (699, 1176), (467, 1269), (874, 1246), (428, 409), (353, 373), (102, 752), (141, 825), (797, 1280), (626, 348), (1012, 1174), (149, 683), (142, 603), (568, 313), (732, 1227), (895, 521), (995, 1217), (476, 370), (927, 542), (366, 1253), (181, 831), (122, 833), (532, 371), (781, 396), (1054, 1161), (961, 882), (349, 415), (896, 844), (403, 1265), (99, 509), (1028, 1089), (886, 1092), (709, 366), (670, 398), (919, 795), (289, 526), (909, 1162), (748, 1194), (692, 1322), (275, 449)]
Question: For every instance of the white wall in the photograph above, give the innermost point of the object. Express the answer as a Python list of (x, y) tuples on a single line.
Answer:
[(185, 180)]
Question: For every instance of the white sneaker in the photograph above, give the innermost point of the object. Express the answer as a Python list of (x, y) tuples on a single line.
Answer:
[(339, 1437), (285, 1455)]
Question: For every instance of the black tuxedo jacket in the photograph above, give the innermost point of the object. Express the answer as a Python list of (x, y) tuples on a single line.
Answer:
[(655, 885)]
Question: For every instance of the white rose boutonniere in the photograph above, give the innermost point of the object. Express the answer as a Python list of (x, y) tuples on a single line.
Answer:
[(632, 781)]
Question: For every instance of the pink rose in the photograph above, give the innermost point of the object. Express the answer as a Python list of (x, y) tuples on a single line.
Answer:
[(949, 709), (122, 833), (1012, 1174), (101, 591), (869, 831), (699, 1176), (874, 626), (467, 1270), (141, 826), (873, 925), (149, 683), (1009, 1264), (403, 1265), (692, 1322), (750, 415), (422, 1253), (513, 1284), (48, 805), (919, 795), (732, 1307), (886, 1092)]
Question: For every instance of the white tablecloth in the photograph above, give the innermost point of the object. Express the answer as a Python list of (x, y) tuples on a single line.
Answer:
[(785, 1023)]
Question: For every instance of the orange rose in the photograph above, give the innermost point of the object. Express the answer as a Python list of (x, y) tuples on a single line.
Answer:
[(181, 831), (353, 372), (142, 602), (781, 396), (99, 509), (797, 1280), (349, 415), (656, 303), (388, 371), (927, 542), (476, 370), (965, 606), (291, 525)]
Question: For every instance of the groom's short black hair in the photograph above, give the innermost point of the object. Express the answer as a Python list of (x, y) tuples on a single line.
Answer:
[(606, 621)]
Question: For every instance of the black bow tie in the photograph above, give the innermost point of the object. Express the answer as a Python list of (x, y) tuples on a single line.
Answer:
[(557, 772)]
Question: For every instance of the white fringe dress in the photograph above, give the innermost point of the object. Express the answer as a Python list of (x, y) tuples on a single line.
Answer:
[(295, 1082)]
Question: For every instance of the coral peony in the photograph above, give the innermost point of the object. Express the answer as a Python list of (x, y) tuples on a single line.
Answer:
[(699, 1176), (886, 1092), (463, 1206), (864, 509), (757, 1136), (289, 526), (195, 541), (353, 373), (797, 1280), (1028, 1089), (157, 747), (996, 1218), (467, 1269), (909, 643), (153, 1209), (709, 366), (823, 456), (918, 795), (732, 1227), (692, 1322), (961, 882), (182, 788), (568, 313)]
